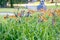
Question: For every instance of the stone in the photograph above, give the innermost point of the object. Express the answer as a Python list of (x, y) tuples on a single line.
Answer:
[(38, 7), (41, 5)]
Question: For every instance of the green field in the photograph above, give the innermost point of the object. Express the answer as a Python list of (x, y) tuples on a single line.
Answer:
[(28, 28), (15, 9), (10, 9)]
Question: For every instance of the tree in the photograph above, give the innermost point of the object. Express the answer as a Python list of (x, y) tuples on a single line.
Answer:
[(3, 3), (11, 2), (52, 1)]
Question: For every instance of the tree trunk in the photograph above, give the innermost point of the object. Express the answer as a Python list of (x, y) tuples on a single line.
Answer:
[(11, 2), (52, 1)]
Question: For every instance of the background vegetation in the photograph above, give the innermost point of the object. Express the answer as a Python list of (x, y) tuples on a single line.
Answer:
[(28, 28)]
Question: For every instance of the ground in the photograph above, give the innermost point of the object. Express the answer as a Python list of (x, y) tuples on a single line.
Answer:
[(15, 9), (29, 28)]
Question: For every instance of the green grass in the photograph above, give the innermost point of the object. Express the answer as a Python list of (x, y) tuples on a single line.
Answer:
[(11, 9), (54, 7), (10, 29), (31, 29), (15, 9)]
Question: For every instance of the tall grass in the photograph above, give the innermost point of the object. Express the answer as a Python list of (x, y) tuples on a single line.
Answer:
[(28, 28)]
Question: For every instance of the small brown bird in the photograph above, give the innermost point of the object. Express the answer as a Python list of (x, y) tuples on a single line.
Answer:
[(58, 12), (6, 16)]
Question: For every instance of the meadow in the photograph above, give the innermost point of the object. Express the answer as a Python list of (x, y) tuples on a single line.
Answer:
[(29, 28), (20, 8)]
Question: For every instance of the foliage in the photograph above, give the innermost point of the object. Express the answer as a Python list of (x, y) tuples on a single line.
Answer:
[(11, 2), (20, 1), (28, 28), (3, 3)]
